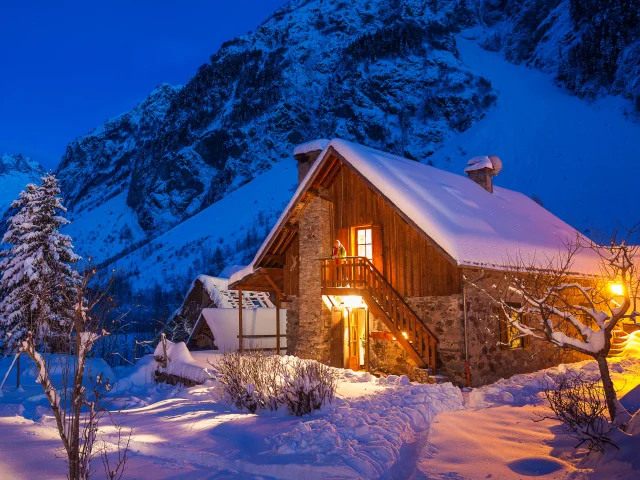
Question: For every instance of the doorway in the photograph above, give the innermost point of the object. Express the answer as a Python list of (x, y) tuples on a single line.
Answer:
[(356, 336)]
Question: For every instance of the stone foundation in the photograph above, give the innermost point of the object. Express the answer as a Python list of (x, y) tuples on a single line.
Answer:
[(293, 324)]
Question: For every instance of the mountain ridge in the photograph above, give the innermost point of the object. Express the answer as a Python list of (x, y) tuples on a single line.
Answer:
[(16, 171)]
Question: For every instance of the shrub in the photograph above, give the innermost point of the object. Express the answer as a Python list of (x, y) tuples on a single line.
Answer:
[(251, 380), (579, 404), (308, 385), (257, 381)]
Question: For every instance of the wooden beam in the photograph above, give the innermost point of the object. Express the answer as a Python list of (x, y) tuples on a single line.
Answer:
[(240, 345), (275, 258), (278, 323), (272, 272), (279, 293)]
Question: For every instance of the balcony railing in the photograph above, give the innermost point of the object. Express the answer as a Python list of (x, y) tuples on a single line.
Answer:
[(359, 276)]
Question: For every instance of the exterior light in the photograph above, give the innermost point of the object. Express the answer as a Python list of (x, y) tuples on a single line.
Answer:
[(617, 289), (352, 301)]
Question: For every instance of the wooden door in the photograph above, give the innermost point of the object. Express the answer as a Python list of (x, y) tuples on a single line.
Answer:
[(357, 337), (336, 354), (354, 341)]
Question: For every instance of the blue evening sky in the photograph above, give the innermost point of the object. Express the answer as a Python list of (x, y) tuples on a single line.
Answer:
[(68, 65)]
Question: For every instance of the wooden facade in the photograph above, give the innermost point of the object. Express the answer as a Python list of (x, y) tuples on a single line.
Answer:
[(411, 263)]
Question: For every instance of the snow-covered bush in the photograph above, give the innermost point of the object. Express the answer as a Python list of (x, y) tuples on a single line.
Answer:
[(258, 381), (308, 385), (579, 403), (252, 379)]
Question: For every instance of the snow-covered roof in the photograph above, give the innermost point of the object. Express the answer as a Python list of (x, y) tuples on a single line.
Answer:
[(312, 146), (218, 290), (476, 228)]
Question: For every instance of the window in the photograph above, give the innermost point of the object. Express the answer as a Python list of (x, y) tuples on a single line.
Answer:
[(514, 338), (510, 336), (364, 243)]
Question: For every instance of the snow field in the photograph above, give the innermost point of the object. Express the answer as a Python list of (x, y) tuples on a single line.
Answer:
[(359, 436), (195, 433), (499, 436), (368, 432)]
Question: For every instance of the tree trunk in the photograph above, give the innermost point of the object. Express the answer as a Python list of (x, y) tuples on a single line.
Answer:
[(74, 465), (607, 384)]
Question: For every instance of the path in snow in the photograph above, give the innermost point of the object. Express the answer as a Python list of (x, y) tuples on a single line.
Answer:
[(499, 438), (565, 150)]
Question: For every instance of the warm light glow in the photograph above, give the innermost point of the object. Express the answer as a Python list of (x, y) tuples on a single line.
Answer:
[(617, 289), (352, 301), (404, 334)]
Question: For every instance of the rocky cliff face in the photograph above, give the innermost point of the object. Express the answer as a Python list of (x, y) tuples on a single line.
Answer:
[(381, 73), (591, 46)]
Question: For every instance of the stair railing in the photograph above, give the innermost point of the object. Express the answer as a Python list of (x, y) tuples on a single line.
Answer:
[(360, 273)]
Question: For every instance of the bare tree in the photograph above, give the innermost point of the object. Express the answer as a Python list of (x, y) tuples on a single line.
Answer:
[(550, 302), (78, 403)]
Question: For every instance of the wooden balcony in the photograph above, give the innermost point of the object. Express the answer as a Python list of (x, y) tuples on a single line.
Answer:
[(358, 276)]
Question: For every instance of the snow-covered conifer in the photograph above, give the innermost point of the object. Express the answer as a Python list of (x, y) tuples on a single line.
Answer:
[(38, 281)]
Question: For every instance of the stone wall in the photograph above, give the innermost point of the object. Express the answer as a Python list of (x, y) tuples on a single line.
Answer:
[(293, 324), (443, 315), (490, 361), (387, 356), (310, 337)]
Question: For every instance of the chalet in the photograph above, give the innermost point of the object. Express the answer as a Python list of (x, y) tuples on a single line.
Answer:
[(400, 302)]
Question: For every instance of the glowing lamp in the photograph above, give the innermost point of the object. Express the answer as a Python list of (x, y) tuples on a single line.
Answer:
[(404, 334), (617, 289), (352, 301)]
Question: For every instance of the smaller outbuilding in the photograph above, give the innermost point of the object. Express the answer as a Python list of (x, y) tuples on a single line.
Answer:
[(210, 314)]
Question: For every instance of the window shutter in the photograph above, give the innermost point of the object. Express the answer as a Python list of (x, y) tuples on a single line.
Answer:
[(503, 327), (526, 341), (343, 236), (376, 240)]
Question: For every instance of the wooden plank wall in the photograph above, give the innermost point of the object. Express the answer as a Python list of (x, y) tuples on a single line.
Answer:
[(291, 267), (412, 265)]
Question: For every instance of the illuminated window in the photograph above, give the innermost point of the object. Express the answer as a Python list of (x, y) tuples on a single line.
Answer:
[(363, 241), (511, 336)]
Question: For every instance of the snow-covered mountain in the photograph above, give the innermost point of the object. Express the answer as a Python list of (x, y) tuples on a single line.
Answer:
[(15, 172), (382, 73), (154, 193)]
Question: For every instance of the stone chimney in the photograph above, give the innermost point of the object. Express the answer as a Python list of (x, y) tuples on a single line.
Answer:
[(482, 170), (306, 154)]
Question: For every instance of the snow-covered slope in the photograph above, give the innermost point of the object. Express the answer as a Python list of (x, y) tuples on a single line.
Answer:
[(578, 158), (15, 172), (225, 233)]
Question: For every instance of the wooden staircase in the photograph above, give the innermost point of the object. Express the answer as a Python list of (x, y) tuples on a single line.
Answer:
[(619, 338), (358, 276)]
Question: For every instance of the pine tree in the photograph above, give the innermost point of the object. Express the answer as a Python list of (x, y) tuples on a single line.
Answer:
[(38, 283)]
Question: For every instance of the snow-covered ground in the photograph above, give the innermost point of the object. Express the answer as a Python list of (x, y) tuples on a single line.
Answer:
[(376, 428)]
